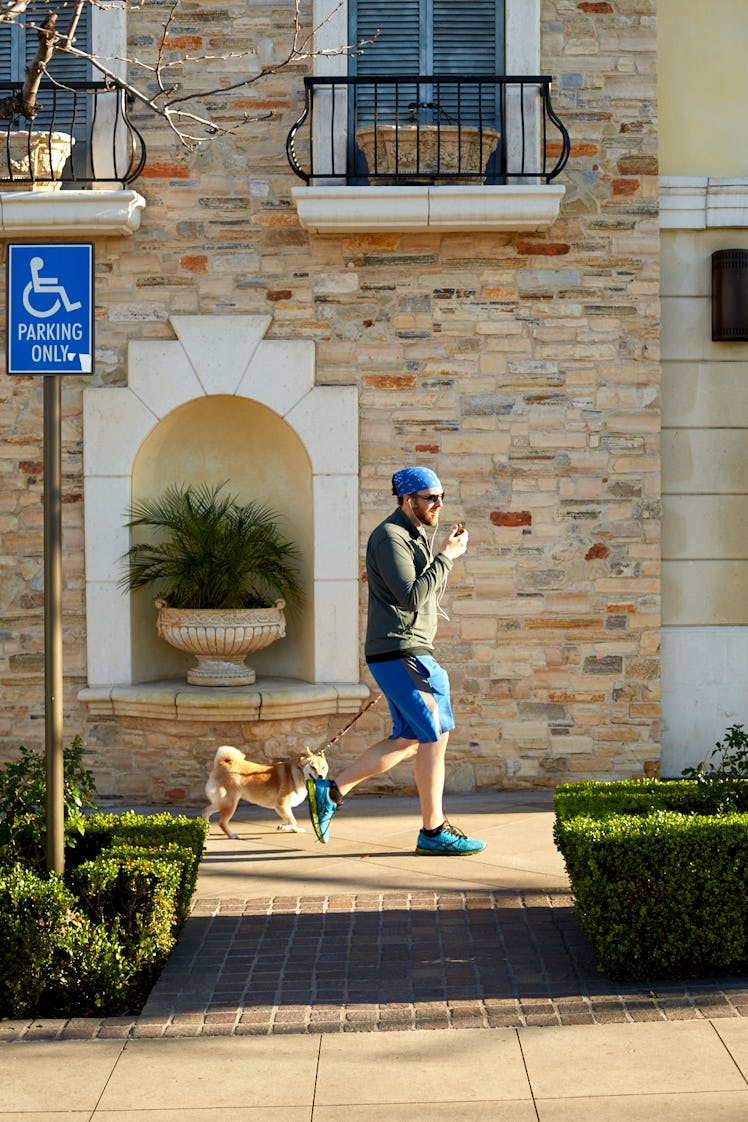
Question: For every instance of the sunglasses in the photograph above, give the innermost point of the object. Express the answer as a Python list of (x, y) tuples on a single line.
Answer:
[(432, 499)]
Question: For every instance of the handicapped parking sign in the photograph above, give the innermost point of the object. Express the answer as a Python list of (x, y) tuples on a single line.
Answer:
[(50, 323)]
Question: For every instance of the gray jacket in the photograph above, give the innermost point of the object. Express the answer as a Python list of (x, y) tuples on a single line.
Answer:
[(405, 582)]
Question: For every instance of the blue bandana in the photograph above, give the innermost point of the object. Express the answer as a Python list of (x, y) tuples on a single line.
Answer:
[(409, 480)]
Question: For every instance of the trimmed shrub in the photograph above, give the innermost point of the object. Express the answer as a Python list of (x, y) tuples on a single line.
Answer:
[(134, 895), (626, 796), (659, 893), (53, 960), (183, 858), (95, 940), (32, 911), (177, 837), (708, 793)]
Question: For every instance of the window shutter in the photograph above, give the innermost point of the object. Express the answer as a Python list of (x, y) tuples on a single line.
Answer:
[(465, 37), (18, 43), (468, 39), (11, 44), (60, 109), (430, 37), (396, 49)]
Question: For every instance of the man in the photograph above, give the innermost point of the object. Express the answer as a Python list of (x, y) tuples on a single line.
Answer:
[(406, 583)]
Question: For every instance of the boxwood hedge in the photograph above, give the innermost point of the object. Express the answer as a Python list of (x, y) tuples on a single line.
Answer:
[(659, 886), (54, 960), (94, 942), (642, 796)]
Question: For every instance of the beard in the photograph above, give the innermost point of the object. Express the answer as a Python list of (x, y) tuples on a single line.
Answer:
[(430, 517)]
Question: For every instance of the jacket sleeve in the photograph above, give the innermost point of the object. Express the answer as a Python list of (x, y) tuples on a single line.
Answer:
[(396, 564)]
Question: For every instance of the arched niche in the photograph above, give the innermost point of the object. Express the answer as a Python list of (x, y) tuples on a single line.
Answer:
[(268, 381), (219, 439)]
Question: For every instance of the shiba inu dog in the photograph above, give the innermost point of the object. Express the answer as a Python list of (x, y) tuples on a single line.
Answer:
[(279, 786)]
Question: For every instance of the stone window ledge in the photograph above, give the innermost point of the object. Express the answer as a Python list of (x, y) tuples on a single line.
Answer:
[(442, 209), (269, 699), (70, 213)]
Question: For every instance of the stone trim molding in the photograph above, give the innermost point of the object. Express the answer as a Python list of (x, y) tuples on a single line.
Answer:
[(221, 355), (70, 213), (269, 699), (502, 207), (695, 202)]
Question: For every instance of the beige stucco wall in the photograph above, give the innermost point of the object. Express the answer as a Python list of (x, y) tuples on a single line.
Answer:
[(703, 90), (703, 87), (705, 505)]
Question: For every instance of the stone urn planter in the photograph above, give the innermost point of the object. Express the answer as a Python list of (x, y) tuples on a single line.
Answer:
[(222, 574), (221, 639), (42, 155), (427, 151)]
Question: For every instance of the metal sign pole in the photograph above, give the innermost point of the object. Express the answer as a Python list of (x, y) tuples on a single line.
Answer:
[(50, 332), (53, 710)]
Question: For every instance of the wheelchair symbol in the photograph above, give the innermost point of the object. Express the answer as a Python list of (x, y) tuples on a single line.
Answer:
[(45, 287)]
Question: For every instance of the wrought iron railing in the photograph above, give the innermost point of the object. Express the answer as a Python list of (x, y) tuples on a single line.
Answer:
[(407, 128), (81, 135)]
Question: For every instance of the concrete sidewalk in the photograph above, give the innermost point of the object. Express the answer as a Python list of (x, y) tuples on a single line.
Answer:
[(402, 987)]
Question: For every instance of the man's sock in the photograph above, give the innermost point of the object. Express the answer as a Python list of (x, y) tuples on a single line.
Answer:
[(434, 832)]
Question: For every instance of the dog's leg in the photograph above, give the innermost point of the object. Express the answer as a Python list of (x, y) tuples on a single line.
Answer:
[(223, 823), (225, 813), (288, 822)]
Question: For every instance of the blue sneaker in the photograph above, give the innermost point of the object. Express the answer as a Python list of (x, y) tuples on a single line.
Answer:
[(449, 842), (321, 806)]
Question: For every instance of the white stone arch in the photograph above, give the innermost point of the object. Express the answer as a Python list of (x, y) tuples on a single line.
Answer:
[(221, 355)]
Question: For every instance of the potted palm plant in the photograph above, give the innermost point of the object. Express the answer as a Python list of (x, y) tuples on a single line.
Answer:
[(222, 574)]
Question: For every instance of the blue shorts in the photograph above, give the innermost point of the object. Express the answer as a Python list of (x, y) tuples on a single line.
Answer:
[(417, 692)]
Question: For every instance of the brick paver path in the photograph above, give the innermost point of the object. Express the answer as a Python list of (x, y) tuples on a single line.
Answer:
[(373, 962)]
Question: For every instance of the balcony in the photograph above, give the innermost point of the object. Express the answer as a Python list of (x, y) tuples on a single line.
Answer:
[(411, 152), (106, 146), (68, 171)]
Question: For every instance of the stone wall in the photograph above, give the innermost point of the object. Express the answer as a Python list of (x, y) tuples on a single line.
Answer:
[(524, 369)]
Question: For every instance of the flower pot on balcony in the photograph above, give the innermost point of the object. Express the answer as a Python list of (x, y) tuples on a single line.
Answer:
[(221, 639), (38, 155), (427, 151)]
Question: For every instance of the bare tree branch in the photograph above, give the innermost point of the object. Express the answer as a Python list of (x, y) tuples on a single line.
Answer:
[(170, 102), (25, 103), (14, 9)]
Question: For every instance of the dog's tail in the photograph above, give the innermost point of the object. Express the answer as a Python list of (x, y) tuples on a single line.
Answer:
[(227, 754)]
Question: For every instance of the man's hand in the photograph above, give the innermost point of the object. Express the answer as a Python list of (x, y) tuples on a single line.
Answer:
[(456, 542)]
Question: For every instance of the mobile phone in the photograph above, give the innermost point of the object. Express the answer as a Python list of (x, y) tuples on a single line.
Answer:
[(460, 528)]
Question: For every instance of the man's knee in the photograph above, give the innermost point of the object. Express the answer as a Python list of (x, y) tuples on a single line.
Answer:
[(436, 747)]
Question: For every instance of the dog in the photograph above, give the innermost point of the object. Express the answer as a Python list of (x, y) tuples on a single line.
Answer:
[(279, 786)]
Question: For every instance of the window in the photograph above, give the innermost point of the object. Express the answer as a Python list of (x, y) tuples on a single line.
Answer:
[(458, 43), (428, 36)]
